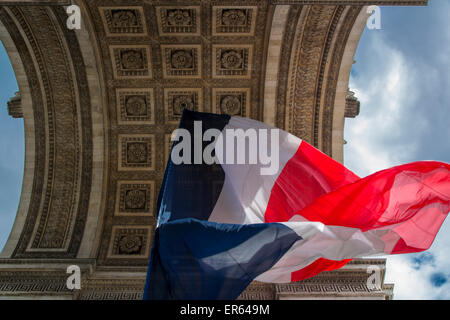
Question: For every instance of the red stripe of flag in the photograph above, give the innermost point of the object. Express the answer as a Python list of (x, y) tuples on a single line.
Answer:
[(412, 200)]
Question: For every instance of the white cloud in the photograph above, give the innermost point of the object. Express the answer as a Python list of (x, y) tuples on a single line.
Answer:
[(415, 283), (385, 97), (387, 133), (409, 282)]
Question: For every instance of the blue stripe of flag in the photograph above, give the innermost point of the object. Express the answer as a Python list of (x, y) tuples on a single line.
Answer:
[(194, 259), (192, 190)]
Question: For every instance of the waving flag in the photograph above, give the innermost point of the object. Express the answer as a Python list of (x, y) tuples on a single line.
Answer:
[(283, 215)]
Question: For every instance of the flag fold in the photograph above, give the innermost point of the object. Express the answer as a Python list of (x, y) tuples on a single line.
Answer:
[(272, 208)]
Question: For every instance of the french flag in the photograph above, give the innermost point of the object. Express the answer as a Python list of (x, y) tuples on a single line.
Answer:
[(223, 225)]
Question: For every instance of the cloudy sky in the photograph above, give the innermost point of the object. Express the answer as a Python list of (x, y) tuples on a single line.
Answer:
[(402, 78)]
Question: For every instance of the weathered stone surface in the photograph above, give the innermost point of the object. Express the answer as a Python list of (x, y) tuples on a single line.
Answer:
[(103, 101)]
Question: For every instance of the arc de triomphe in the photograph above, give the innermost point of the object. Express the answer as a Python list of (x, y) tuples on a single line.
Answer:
[(99, 104)]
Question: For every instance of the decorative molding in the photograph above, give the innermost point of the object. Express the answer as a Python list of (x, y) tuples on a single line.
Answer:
[(101, 294), (32, 283), (258, 291), (35, 2), (300, 109), (60, 194), (347, 23), (288, 54)]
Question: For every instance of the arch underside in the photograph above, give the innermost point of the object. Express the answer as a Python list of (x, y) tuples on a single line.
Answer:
[(95, 94)]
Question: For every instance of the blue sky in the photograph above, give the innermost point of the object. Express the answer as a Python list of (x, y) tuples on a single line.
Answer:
[(402, 78), (12, 150)]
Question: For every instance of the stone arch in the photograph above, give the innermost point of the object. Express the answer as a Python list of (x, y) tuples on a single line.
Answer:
[(59, 133), (100, 122), (310, 72), (343, 86), (75, 85)]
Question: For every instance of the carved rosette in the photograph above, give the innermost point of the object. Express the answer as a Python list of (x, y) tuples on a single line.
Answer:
[(137, 152), (130, 241), (123, 18), (234, 17), (233, 102), (179, 17), (135, 106), (178, 20), (229, 21), (135, 198), (130, 244), (182, 102), (178, 99), (123, 21), (232, 61), (131, 61), (181, 61)]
